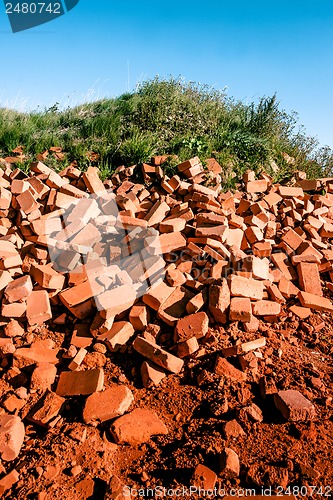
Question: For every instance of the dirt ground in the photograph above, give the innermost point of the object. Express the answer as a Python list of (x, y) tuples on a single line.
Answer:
[(273, 453)]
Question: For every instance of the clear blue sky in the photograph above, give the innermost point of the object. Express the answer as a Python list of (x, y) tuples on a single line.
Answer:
[(253, 48)]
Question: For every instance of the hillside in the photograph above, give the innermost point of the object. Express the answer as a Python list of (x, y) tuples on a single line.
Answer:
[(169, 117)]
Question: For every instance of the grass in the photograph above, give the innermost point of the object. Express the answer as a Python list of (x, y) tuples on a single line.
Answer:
[(170, 116)]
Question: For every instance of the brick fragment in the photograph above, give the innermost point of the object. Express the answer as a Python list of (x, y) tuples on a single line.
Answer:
[(92, 181), (301, 312), (151, 374), (158, 355), (118, 335), (43, 377), (240, 309), (13, 329), (47, 277), (266, 308), (11, 436), (19, 289), (41, 351), (137, 427), (204, 478), (294, 406), (186, 348), (8, 481), (174, 306), (138, 316), (291, 192), (79, 383), (193, 325), (314, 302), (219, 301), (309, 279), (38, 307), (47, 409), (226, 369), (108, 404), (246, 287), (259, 186), (229, 462)]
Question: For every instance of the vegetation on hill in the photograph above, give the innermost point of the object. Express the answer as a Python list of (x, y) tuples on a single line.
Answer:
[(170, 117)]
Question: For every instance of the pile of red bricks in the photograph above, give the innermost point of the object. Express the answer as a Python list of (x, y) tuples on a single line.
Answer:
[(256, 254)]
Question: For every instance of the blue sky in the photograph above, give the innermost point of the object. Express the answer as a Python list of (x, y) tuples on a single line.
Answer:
[(253, 48)]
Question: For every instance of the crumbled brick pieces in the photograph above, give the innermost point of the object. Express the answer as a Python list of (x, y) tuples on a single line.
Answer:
[(294, 406), (309, 278), (79, 383), (158, 355), (137, 427), (18, 290), (12, 434), (108, 404)]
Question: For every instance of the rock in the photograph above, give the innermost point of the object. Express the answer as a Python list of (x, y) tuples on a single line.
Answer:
[(229, 462)]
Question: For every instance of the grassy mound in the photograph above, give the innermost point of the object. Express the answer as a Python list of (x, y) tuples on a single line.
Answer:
[(170, 116)]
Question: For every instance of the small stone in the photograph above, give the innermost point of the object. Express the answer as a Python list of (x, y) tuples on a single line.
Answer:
[(233, 429), (204, 478)]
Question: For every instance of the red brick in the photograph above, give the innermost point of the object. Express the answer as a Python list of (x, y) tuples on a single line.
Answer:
[(240, 309), (204, 478), (92, 181), (315, 302), (118, 335), (309, 278), (172, 225), (294, 406), (47, 277), (151, 374), (259, 186), (46, 411), (111, 403), (246, 287), (138, 316), (266, 308), (158, 355), (292, 239), (43, 377), (301, 312), (38, 307), (41, 351), (13, 329), (80, 382), (227, 370), (229, 463), (11, 436), (219, 301), (8, 481), (27, 202), (262, 249), (193, 325), (290, 192), (157, 213), (137, 427), (167, 242), (174, 306), (186, 348), (19, 289)]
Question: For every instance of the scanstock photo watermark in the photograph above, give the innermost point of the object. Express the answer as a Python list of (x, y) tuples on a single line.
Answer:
[(29, 14)]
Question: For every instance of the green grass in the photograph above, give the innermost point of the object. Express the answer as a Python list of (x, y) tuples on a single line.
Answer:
[(170, 116)]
